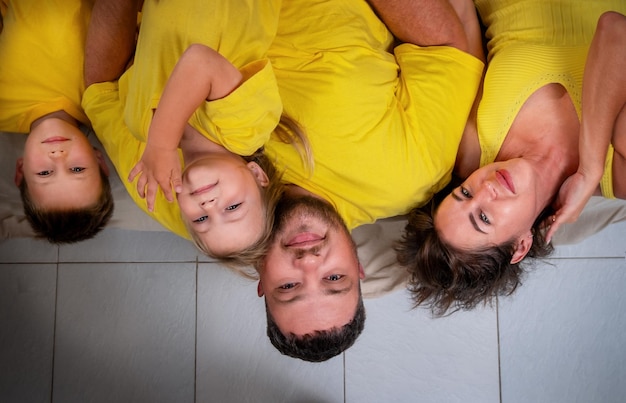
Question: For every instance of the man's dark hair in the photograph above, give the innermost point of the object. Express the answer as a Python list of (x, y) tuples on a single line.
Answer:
[(320, 345), (73, 225)]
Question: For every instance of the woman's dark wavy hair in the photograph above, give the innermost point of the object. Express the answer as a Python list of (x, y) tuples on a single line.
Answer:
[(445, 278)]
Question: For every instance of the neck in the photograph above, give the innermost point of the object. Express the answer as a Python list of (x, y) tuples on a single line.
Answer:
[(195, 146), (60, 115)]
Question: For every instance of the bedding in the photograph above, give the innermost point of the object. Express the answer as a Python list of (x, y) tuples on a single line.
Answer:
[(374, 241)]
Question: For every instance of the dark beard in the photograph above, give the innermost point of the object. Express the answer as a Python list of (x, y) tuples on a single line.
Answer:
[(307, 206)]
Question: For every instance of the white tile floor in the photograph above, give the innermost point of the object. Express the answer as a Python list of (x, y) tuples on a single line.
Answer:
[(138, 317)]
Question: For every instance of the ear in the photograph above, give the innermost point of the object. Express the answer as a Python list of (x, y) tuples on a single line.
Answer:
[(102, 162), (259, 289), (523, 246), (19, 172), (258, 173), (361, 272)]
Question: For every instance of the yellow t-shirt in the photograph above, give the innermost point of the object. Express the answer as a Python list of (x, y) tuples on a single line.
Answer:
[(533, 43), (241, 31), (41, 61), (241, 122), (384, 139)]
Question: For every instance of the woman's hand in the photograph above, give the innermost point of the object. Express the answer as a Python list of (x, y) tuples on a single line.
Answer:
[(573, 195)]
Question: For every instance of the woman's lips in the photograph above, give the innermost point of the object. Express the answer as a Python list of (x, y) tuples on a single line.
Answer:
[(505, 180)]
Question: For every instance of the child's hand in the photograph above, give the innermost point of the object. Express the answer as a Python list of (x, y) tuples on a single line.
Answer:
[(158, 167)]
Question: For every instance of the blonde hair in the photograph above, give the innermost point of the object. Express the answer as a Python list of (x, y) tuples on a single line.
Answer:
[(243, 261)]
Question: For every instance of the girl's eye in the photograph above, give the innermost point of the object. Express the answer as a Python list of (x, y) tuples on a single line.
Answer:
[(466, 193), (201, 219), (483, 218), (44, 173), (334, 277), (287, 286), (77, 169), (233, 207)]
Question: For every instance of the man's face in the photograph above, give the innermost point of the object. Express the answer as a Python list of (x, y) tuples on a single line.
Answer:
[(311, 273), (61, 168)]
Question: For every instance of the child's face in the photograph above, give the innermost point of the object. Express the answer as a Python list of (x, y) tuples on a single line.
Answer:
[(222, 201), (60, 166)]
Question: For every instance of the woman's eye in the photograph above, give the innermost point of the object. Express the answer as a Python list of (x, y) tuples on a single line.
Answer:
[(465, 193), (287, 286), (334, 277), (233, 207), (44, 173), (77, 169), (201, 219), (483, 218)]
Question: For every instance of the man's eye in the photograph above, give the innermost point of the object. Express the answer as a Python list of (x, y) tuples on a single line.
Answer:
[(287, 286), (483, 218), (44, 173), (77, 169), (233, 207), (201, 219), (334, 277), (466, 193)]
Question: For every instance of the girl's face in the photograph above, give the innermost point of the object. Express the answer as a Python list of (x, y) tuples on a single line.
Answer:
[(222, 201), (495, 204)]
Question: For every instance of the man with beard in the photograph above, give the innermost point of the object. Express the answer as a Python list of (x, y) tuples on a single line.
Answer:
[(314, 281), (383, 140)]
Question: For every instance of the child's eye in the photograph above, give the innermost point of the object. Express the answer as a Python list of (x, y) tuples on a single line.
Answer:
[(233, 207), (77, 169), (334, 277), (483, 218), (201, 219), (44, 173), (466, 193), (287, 286)]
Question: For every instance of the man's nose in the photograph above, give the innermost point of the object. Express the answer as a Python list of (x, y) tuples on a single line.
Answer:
[(307, 259)]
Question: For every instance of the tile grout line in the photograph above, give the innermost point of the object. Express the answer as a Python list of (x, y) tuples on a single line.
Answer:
[(499, 358), (195, 356), (54, 327)]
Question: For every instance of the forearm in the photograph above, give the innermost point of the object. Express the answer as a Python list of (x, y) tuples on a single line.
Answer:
[(110, 39), (603, 94), (423, 22), (201, 74)]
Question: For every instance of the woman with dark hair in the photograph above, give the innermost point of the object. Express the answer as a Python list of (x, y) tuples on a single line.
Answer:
[(544, 137)]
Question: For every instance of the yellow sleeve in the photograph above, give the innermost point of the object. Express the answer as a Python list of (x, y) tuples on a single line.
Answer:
[(243, 121), (105, 110)]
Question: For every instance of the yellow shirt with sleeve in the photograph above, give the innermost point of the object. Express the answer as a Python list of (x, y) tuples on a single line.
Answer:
[(121, 111), (384, 130), (241, 31), (41, 61), (531, 44)]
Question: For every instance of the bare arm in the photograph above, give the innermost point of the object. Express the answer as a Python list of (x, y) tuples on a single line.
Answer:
[(423, 22), (110, 39), (603, 99), (200, 74)]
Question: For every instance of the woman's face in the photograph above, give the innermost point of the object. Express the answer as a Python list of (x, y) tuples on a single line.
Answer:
[(222, 201), (495, 204)]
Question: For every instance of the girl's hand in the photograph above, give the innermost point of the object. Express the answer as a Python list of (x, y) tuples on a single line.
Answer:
[(157, 167)]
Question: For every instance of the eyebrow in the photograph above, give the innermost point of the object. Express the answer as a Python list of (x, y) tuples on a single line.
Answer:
[(471, 217), (475, 224), (326, 292)]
